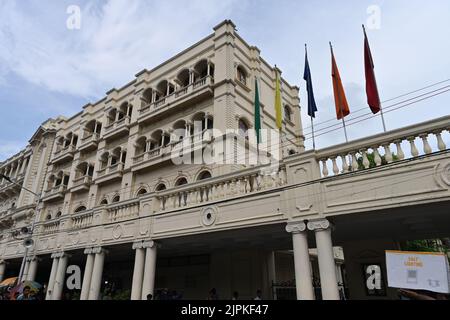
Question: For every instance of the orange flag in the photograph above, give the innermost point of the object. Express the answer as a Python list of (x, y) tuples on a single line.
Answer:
[(342, 109)]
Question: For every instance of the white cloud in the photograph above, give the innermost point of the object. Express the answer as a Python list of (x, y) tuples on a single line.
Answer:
[(9, 148), (116, 40)]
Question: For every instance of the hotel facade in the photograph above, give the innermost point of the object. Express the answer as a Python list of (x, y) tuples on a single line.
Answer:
[(110, 199)]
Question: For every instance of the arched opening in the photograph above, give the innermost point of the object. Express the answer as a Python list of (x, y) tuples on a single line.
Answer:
[(116, 156), (116, 199), (160, 187), (287, 113), (48, 217), (291, 152), (112, 116), (141, 192), (201, 70), (141, 146), (204, 175), (241, 74), (179, 131), (147, 97), (81, 170), (164, 88), (58, 214), (104, 158), (124, 111), (68, 140), (183, 78), (181, 181), (159, 139), (80, 209), (104, 202)]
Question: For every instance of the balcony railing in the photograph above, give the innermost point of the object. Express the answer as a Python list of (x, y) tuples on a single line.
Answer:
[(50, 227), (111, 172), (246, 182), (90, 141), (384, 148), (118, 127), (174, 97), (123, 211), (82, 220), (65, 153), (55, 192)]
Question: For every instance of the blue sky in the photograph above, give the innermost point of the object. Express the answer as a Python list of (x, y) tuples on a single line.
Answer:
[(47, 70)]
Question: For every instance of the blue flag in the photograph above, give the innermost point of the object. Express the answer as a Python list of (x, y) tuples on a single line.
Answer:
[(312, 108)]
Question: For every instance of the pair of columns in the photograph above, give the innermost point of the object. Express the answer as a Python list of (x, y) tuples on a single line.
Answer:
[(30, 268), (57, 276), (144, 270), (327, 268), (93, 272)]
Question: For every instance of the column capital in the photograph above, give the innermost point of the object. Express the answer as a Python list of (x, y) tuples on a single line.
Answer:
[(320, 224), (33, 258), (96, 250), (149, 244), (138, 245), (295, 227), (58, 255)]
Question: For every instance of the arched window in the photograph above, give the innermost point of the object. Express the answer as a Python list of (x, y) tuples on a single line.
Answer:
[(116, 199), (141, 146), (243, 128), (58, 214), (48, 217), (142, 192), (161, 187), (291, 152), (181, 181), (104, 160), (80, 209), (201, 70), (287, 113), (104, 202), (242, 75), (183, 78), (204, 175)]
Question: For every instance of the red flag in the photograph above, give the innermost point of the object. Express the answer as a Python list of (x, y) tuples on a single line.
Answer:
[(373, 99)]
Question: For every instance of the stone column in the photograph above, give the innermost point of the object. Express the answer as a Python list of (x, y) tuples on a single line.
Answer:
[(87, 276), (58, 286), (51, 280), (97, 273), (33, 268), (148, 284), (2, 269), (303, 278), (138, 272), (327, 271)]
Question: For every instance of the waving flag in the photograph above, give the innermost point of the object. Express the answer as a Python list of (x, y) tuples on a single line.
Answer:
[(312, 108), (373, 99), (340, 101), (278, 113), (257, 113)]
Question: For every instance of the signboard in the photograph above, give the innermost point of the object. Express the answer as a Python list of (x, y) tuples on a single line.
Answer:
[(418, 270)]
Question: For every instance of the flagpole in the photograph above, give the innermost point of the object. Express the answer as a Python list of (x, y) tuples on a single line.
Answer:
[(340, 106), (375, 80)]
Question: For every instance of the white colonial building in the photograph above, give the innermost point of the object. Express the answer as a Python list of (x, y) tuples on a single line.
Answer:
[(114, 202)]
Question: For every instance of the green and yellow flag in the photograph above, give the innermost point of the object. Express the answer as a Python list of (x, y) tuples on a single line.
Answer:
[(257, 113), (278, 112)]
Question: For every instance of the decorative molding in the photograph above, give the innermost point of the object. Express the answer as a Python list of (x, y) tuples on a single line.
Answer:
[(296, 227)]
